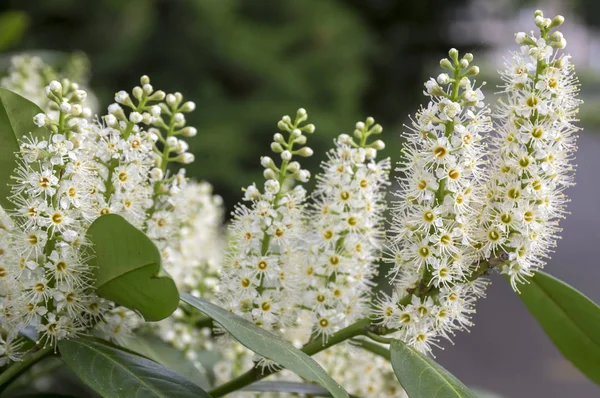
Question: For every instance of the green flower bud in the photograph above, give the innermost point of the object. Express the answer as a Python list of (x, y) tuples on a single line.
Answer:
[(446, 64)]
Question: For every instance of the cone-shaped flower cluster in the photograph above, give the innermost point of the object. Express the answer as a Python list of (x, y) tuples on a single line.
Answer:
[(532, 156), (260, 274), (63, 183), (431, 247), (346, 230)]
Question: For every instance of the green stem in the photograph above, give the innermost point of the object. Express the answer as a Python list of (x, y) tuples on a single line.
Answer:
[(356, 329), (19, 368)]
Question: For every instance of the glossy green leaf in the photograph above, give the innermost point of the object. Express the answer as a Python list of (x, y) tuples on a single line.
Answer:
[(311, 390), (157, 350), (16, 121), (570, 319), (114, 373), (422, 377), (268, 345), (13, 25), (128, 269)]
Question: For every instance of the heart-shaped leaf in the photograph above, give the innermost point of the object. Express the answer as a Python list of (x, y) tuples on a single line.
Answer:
[(114, 373), (154, 348), (268, 345), (570, 319), (128, 269), (422, 377), (16, 121)]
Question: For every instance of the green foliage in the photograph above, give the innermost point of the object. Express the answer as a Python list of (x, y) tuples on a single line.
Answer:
[(13, 25), (422, 377), (244, 64), (128, 269), (311, 390), (16, 120), (570, 319), (113, 373), (160, 352), (268, 345)]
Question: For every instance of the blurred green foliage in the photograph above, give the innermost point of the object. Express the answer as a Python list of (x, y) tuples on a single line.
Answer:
[(247, 63)]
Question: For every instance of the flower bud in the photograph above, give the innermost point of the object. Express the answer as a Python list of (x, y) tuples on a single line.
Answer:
[(40, 119), (446, 64), (110, 120), (301, 115), (293, 167), (156, 174), (157, 96), (189, 132), (443, 78), (309, 128), (377, 129), (345, 138), (171, 142), (135, 117), (79, 95), (370, 153), (286, 155), (179, 118), (267, 162), (304, 152), (269, 174), (473, 71), (521, 38), (148, 89), (453, 54), (378, 145), (189, 106), (144, 80), (276, 147), (138, 93), (277, 137), (272, 186), (463, 63), (186, 158), (55, 87), (557, 21), (300, 140), (303, 175)]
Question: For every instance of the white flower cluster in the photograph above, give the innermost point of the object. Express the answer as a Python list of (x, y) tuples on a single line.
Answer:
[(431, 246), (27, 76), (260, 278), (63, 183), (345, 227), (533, 153), (193, 259)]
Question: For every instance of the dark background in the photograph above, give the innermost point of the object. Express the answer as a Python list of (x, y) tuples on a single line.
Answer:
[(248, 62)]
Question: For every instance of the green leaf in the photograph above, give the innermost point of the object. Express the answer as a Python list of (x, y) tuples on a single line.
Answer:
[(114, 373), (13, 25), (422, 377), (128, 269), (165, 354), (311, 390), (570, 319), (268, 345), (16, 120)]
